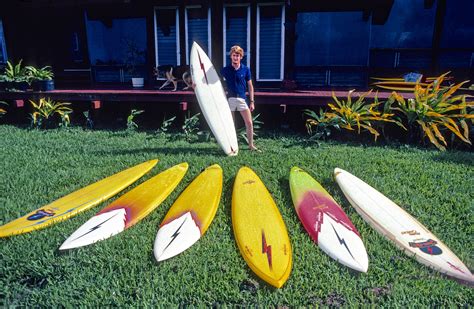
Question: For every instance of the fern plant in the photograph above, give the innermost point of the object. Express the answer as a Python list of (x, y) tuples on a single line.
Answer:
[(435, 111)]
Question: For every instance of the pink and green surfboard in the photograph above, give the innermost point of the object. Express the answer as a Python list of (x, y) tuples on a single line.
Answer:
[(326, 222)]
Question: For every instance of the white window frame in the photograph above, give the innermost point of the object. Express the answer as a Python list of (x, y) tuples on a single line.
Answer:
[(282, 52), (224, 51), (209, 39), (178, 47), (4, 49)]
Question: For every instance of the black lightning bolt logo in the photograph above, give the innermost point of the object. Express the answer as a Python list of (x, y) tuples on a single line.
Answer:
[(342, 241), (175, 234), (95, 227), (202, 68)]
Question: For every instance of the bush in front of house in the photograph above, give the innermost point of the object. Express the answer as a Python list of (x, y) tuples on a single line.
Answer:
[(435, 114)]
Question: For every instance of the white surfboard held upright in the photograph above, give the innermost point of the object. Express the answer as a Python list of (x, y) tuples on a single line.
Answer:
[(401, 228), (213, 101)]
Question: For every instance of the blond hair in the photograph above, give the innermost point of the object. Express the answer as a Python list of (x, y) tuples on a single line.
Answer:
[(237, 49)]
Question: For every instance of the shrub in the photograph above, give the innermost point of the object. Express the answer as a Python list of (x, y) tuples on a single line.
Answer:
[(350, 115), (46, 111), (435, 110)]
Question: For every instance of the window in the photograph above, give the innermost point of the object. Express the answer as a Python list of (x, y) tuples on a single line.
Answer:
[(237, 30), (3, 48), (322, 53), (167, 36), (270, 42), (405, 40), (111, 43), (323, 39), (108, 41), (457, 37), (409, 25), (198, 28)]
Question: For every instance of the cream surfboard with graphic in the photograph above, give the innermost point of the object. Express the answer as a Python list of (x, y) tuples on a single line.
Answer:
[(401, 228)]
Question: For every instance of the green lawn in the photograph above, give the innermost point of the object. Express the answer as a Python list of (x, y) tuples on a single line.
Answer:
[(40, 166)]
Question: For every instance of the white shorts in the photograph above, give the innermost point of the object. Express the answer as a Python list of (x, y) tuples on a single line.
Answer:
[(237, 104)]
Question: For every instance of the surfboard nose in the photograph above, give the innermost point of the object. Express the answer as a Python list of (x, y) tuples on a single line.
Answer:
[(337, 171)]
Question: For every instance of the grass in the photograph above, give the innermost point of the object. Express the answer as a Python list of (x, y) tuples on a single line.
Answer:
[(40, 166)]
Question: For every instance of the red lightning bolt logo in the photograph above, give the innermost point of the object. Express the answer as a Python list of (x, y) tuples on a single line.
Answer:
[(266, 249), (202, 68)]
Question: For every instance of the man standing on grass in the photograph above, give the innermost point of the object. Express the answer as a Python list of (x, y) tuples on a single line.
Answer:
[(238, 79)]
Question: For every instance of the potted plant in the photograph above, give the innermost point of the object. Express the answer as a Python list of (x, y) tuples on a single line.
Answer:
[(42, 79), (134, 56), (15, 77)]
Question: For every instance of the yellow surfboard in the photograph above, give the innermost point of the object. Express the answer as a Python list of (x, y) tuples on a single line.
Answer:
[(191, 214), (76, 202), (127, 210), (259, 230)]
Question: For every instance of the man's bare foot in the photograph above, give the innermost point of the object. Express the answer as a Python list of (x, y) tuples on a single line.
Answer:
[(253, 148)]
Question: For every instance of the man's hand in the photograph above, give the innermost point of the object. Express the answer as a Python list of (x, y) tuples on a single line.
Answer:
[(252, 106)]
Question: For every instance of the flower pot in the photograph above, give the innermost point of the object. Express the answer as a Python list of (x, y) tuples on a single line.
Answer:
[(138, 82), (21, 86), (43, 85)]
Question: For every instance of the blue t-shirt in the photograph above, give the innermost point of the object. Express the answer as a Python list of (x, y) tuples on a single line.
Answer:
[(236, 80)]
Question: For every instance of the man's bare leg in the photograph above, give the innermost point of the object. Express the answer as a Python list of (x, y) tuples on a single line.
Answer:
[(247, 116)]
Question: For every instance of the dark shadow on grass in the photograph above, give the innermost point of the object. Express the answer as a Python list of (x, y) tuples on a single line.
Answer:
[(165, 150), (464, 158)]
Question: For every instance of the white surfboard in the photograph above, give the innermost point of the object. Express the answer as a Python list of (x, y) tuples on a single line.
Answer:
[(213, 101), (401, 228)]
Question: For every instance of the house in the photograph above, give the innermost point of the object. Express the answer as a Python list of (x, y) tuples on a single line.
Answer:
[(339, 43)]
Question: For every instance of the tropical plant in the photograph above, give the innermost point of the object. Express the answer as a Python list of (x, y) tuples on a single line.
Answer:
[(89, 121), (134, 56), (65, 120), (3, 111), (43, 73), (435, 110), (319, 125), (131, 124), (15, 73), (191, 125), (353, 115), (46, 110), (166, 124), (242, 131)]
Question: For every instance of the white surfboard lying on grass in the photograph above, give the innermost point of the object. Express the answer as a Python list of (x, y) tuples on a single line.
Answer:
[(401, 228), (213, 101)]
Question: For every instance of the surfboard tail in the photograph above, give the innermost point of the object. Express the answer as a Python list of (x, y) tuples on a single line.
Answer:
[(175, 237)]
